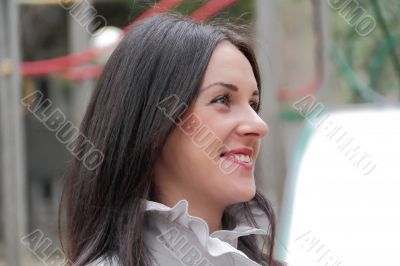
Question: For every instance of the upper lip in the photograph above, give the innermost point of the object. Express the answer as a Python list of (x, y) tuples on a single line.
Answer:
[(245, 151)]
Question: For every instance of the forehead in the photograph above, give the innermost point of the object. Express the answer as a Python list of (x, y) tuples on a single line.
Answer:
[(228, 64)]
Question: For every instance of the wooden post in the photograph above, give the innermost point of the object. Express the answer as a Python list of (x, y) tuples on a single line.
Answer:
[(82, 90), (12, 132), (270, 167)]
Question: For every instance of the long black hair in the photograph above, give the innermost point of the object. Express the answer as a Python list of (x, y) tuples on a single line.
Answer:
[(101, 214)]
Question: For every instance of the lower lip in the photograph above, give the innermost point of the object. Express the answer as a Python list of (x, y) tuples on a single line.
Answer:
[(247, 166)]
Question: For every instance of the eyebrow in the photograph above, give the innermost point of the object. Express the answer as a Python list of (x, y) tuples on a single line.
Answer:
[(230, 86)]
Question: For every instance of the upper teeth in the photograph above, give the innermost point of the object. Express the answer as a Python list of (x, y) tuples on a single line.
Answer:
[(242, 157)]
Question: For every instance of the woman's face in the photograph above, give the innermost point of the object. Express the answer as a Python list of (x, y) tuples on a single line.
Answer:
[(224, 117)]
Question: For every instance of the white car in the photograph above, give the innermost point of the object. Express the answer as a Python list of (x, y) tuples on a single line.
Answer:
[(342, 198)]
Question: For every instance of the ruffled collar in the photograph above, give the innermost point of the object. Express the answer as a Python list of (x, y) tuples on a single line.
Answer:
[(219, 242)]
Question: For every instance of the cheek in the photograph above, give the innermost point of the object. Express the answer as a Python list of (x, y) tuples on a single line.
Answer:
[(204, 144), (185, 157), (194, 153), (191, 162)]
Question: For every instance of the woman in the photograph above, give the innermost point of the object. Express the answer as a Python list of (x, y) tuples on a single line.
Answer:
[(175, 115)]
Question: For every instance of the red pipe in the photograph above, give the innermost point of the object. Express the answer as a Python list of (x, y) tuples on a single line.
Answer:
[(44, 67), (209, 9)]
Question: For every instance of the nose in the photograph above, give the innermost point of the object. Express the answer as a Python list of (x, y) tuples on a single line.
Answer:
[(252, 124)]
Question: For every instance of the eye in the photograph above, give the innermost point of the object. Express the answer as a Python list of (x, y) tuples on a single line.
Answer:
[(255, 105), (224, 99)]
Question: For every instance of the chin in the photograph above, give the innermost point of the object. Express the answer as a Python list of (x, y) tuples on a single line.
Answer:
[(249, 195), (236, 189), (243, 195)]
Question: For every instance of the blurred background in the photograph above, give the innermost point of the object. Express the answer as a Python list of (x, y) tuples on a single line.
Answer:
[(331, 78)]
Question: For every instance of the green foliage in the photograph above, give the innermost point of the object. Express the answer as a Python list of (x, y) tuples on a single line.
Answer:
[(372, 58)]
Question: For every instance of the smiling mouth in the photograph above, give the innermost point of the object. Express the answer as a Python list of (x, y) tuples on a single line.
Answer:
[(243, 163), (240, 159), (244, 158)]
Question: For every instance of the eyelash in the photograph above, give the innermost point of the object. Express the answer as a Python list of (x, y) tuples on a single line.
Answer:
[(227, 97)]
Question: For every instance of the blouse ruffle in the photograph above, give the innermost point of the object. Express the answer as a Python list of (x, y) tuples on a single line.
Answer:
[(219, 242)]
